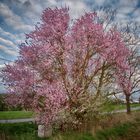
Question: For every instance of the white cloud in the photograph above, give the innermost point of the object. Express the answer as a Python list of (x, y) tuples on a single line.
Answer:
[(128, 3), (136, 15), (2, 66), (12, 38), (126, 10), (12, 19), (99, 2), (52, 2), (7, 34), (77, 8), (8, 51), (7, 42)]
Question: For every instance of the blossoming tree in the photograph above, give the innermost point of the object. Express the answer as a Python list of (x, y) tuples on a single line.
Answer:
[(66, 67)]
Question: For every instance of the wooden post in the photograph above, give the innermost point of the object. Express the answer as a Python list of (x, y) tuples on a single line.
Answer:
[(44, 131)]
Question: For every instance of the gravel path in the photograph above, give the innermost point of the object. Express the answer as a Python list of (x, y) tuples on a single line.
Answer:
[(18, 120)]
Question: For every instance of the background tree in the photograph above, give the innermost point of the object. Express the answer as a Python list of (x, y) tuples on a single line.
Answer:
[(129, 80)]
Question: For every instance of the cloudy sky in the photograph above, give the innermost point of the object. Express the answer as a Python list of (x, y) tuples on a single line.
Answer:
[(18, 17)]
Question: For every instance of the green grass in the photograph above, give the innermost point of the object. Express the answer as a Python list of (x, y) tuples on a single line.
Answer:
[(115, 132), (28, 131), (123, 106), (15, 114), (113, 107), (123, 131), (73, 136), (18, 131), (18, 128), (111, 133)]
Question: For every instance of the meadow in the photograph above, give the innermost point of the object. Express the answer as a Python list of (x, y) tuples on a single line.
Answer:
[(111, 127)]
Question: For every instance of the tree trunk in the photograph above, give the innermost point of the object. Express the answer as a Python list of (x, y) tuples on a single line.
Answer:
[(128, 104)]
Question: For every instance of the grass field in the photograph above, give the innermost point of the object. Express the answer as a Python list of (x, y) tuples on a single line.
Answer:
[(29, 114), (123, 106), (16, 114)]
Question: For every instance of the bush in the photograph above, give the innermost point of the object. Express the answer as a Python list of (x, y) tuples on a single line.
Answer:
[(3, 105)]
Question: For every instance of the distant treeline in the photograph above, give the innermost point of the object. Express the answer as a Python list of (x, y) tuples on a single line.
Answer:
[(4, 106)]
